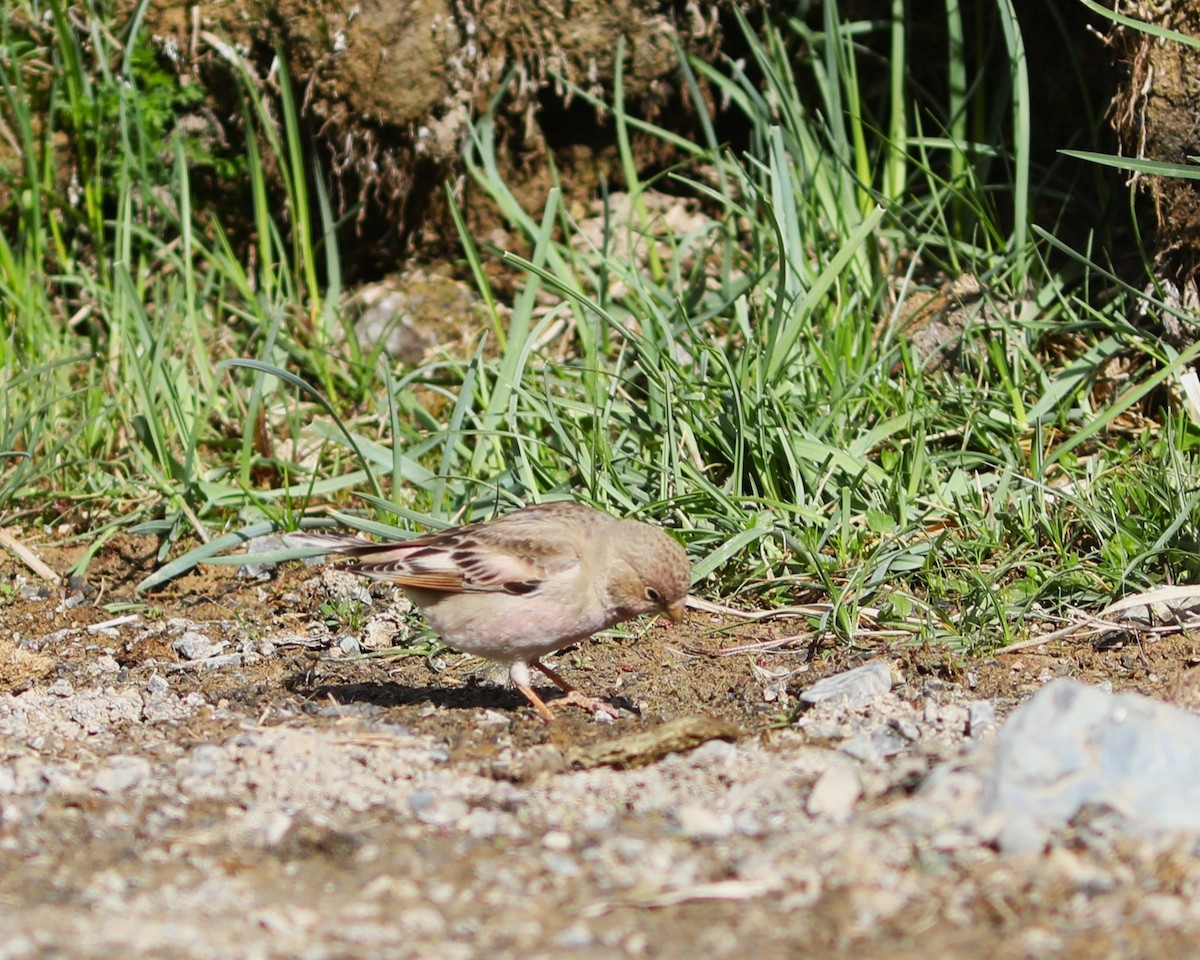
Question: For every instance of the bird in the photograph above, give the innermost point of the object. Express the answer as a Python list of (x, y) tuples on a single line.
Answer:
[(527, 583)]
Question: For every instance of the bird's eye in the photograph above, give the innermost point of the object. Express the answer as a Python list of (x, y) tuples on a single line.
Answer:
[(653, 595)]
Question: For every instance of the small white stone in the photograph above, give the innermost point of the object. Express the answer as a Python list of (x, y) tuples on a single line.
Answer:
[(121, 773), (703, 823), (195, 646), (835, 793), (157, 686), (106, 663)]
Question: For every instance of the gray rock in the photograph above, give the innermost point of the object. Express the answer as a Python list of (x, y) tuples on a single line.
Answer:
[(212, 663), (386, 629), (981, 718), (858, 686), (157, 686), (96, 711), (906, 728), (1073, 747), (560, 864), (106, 663), (57, 638), (62, 781), (195, 646), (862, 748), (890, 741), (483, 824), (167, 708), (257, 569)]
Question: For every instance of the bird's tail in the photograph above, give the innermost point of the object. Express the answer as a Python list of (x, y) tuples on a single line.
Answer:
[(341, 543)]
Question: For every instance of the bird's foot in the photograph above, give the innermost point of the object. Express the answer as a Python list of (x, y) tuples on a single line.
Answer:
[(601, 710)]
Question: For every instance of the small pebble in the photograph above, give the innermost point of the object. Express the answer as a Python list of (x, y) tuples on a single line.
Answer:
[(157, 686), (257, 570), (981, 718), (835, 793), (560, 864), (195, 646), (204, 761), (121, 773), (701, 822), (575, 937), (437, 811), (906, 728), (713, 752), (862, 748), (105, 663)]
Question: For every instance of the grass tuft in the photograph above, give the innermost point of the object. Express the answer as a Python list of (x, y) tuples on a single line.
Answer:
[(766, 376)]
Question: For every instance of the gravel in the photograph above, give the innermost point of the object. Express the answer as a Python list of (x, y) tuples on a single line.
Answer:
[(135, 819)]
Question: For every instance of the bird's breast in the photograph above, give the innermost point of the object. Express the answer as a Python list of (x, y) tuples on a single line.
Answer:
[(507, 627)]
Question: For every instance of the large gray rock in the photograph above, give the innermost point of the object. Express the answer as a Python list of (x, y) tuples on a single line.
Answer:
[(1074, 746)]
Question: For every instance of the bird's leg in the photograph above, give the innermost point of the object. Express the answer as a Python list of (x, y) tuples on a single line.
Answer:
[(519, 674), (574, 696), (538, 703)]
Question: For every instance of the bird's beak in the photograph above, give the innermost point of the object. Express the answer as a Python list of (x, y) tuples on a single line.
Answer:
[(676, 610)]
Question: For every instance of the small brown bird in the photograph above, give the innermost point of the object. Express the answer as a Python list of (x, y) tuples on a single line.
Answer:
[(526, 584)]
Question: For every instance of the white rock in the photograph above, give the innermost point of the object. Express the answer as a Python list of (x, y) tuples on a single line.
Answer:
[(835, 793), (121, 773), (157, 685), (1074, 746), (195, 646), (702, 822)]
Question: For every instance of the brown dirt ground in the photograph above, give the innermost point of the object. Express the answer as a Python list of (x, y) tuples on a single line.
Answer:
[(45, 871)]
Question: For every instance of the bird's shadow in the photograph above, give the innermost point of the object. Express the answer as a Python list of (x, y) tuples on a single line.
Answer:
[(388, 694)]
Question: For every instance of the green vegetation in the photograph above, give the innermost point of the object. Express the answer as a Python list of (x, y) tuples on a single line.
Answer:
[(755, 381)]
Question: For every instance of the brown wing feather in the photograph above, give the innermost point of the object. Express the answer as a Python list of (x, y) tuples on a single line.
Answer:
[(399, 573), (513, 553)]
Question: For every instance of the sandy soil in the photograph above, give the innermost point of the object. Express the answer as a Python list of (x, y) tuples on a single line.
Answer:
[(279, 797)]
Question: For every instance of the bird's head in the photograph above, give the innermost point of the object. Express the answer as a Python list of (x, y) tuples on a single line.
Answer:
[(651, 573)]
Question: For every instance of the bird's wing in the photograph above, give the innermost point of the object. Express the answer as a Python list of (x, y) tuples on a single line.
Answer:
[(514, 554), (512, 557)]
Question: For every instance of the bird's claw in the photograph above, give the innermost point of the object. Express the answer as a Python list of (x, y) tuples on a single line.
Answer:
[(601, 710)]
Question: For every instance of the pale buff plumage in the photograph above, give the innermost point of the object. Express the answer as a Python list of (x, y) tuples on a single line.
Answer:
[(530, 582)]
